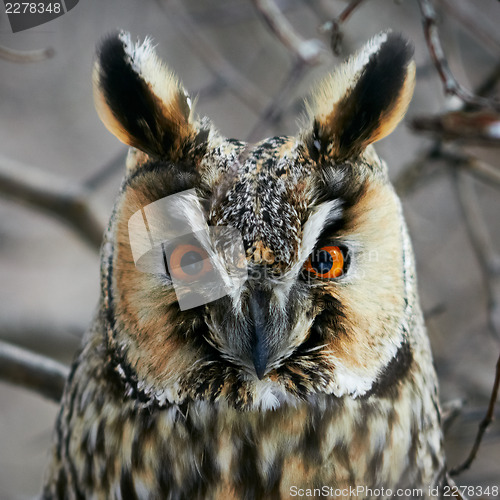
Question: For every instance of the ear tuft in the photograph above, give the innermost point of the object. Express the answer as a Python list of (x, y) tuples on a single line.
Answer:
[(139, 100), (364, 99)]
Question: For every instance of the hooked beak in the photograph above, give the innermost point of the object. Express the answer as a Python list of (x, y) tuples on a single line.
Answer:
[(258, 307)]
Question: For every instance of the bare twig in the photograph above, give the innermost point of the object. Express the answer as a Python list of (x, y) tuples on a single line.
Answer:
[(334, 26), (278, 102), (479, 169), (231, 13), (482, 127), (487, 420), (53, 194), (450, 83), (419, 168), (476, 413), (437, 310), (489, 84), (469, 15), (454, 491), (307, 51), (414, 171), (26, 56), (424, 167), (450, 411), (102, 174), (42, 336), (214, 61), (490, 265), (32, 371), (213, 89), (483, 247)]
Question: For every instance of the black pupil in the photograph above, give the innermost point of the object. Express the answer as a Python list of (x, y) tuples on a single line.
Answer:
[(192, 263), (321, 261)]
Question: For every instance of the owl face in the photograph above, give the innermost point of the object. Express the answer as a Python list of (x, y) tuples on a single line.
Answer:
[(322, 304)]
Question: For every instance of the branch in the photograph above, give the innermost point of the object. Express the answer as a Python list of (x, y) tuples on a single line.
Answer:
[(482, 127), (487, 420), (307, 51), (44, 337), (32, 371), (490, 265), (450, 83), (482, 245), (220, 14), (418, 168), (454, 491), (26, 56), (214, 61), (334, 26), (467, 15), (449, 412), (51, 193), (479, 169), (102, 174), (414, 171), (275, 107)]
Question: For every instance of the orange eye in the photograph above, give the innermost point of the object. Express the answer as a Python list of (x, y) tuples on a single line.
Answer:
[(189, 262), (326, 262)]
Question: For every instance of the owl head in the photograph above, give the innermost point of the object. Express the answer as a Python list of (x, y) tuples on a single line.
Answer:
[(255, 275)]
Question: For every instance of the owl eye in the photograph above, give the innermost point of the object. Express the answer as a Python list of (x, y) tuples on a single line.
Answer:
[(326, 262), (188, 262)]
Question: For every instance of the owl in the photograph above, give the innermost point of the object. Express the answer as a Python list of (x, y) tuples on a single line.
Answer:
[(259, 333)]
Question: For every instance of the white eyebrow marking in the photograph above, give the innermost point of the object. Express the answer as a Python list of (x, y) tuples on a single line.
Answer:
[(323, 214)]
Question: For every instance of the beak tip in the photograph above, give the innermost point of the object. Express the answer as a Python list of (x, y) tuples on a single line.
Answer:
[(260, 365)]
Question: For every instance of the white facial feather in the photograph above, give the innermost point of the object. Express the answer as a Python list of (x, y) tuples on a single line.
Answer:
[(322, 215)]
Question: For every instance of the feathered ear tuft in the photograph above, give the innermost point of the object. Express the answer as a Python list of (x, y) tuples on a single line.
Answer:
[(139, 100), (364, 99)]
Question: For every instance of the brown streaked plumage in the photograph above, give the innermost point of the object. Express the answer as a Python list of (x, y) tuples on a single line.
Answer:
[(291, 380)]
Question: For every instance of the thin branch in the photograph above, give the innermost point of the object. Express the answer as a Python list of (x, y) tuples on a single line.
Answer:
[(474, 414), (214, 61), (44, 337), (454, 491), (487, 420), (334, 26), (231, 13), (275, 107), (450, 83), (482, 245), (437, 310), (211, 90), (102, 174), (32, 371), (490, 265), (482, 127), (488, 85), (417, 169), (468, 14), (449, 412), (51, 193), (26, 56), (424, 166), (479, 169), (309, 52)]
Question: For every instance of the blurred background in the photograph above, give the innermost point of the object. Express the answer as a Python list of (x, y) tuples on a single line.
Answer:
[(251, 82)]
